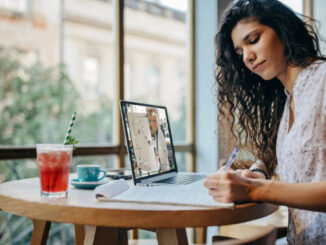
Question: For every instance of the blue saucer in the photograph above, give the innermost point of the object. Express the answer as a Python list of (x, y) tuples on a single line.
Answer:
[(89, 185)]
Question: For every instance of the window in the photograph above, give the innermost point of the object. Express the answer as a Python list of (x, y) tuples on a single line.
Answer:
[(319, 14), (157, 51), (91, 79), (296, 5), (61, 58), (19, 6), (88, 55)]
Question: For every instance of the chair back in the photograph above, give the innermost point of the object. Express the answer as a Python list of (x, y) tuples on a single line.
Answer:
[(266, 237)]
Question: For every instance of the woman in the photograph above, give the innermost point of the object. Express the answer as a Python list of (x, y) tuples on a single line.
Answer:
[(271, 80)]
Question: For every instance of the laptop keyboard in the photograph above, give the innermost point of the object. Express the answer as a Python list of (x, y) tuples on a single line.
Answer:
[(181, 179)]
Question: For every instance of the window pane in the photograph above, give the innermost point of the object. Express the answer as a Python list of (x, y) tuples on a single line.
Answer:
[(88, 54), (17, 169), (29, 71), (296, 5), (183, 161), (156, 58), (320, 16), (107, 161), (17, 6), (37, 94), (21, 169)]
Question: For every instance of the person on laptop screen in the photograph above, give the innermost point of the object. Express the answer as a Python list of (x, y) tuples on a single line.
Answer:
[(150, 143), (159, 143)]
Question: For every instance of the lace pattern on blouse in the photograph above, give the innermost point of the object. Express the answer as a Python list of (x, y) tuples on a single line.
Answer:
[(301, 151)]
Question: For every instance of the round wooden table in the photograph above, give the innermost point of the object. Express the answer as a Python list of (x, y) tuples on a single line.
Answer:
[(110, 220)]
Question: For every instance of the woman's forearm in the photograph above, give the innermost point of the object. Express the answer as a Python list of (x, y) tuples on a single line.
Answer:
[(310, 196)]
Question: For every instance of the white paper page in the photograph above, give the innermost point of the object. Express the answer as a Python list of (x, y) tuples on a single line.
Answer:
[(180, 195), (111, 189)]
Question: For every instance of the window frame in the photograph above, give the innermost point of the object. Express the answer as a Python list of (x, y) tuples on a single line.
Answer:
[(27, 152)]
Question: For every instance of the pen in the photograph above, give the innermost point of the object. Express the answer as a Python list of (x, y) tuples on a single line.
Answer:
[(231, 158)]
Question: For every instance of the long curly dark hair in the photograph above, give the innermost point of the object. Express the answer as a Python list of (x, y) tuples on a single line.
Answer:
[(249, 106)]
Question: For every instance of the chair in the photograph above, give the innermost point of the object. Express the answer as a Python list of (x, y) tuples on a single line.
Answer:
[(281, 232), (267, 236)]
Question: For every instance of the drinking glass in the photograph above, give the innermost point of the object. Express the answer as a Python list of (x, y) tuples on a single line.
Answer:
[(54, 161)]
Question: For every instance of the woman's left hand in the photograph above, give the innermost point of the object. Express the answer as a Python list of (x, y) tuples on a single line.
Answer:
[(228, 186)]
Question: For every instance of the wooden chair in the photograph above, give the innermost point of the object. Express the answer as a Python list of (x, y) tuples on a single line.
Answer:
[(267, 236), (281, 232)]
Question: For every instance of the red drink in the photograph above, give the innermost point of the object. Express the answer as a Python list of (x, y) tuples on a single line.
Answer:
[(54, 165)]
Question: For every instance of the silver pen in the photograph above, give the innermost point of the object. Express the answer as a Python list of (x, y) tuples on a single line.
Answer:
[(231, 158)]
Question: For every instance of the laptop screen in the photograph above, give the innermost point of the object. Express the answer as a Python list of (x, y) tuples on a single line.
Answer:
[(148, 138)]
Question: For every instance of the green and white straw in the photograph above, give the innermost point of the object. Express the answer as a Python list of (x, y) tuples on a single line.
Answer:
[(71, 124)]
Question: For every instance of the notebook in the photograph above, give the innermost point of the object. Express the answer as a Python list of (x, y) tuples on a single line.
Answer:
[(150, 146), (195, 195)]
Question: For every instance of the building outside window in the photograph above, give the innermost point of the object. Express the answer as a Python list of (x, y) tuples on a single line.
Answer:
[(18, 6), (60, 58), (91, 85)]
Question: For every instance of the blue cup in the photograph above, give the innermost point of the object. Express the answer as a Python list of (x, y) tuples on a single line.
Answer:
[(90, 173)]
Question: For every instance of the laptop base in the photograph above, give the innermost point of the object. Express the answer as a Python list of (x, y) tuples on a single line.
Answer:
[(181, 179)]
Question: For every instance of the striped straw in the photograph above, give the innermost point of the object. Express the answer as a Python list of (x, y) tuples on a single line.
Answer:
[(71, 124)]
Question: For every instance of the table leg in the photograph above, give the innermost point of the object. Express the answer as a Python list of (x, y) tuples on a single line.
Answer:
[(201, 233), (169, 236), (79, 234), (99, 235), (134, 234), (40, 232)]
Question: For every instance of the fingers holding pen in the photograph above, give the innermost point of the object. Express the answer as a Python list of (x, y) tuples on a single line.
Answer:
[(219, 180), (227, 186), (217, 190)]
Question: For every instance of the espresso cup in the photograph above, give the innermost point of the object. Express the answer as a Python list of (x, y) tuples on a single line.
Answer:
[(90, 173)]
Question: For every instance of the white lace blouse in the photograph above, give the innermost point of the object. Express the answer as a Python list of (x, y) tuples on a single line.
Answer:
[(301, 150)]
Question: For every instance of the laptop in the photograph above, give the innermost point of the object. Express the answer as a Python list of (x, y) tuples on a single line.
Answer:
[(150, 146)]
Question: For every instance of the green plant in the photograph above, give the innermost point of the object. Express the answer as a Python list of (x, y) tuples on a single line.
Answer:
[(35, 107)]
